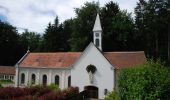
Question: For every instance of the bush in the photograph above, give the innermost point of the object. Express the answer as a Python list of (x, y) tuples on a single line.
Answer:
[(53, 96), (10, 92), (6, 81), (112, 96), (72, 93), (53, 87), (68, 94), (150, 81), (38, 92)]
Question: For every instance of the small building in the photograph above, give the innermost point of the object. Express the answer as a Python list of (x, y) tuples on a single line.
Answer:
[(91, 70), (7, 73)]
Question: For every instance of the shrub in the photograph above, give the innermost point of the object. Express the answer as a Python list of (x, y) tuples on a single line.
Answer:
[(10, 92), (68, 94), (53, 87), (6, 81), (145, 82), (71, 93), (38, 92), (112, 96), (53, 96)]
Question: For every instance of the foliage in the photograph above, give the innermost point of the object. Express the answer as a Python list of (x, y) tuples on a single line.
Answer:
[(9, 92), (54, 87), (152, 27), (9, 50), (68, 94), (82, 26), (55, 37), (150, 81), (6, 81), (112, 96), (117, 27), (30, 40), (120, 33), (38, 92)]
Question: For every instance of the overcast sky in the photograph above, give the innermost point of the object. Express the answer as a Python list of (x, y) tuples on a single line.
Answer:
[(35, 15)]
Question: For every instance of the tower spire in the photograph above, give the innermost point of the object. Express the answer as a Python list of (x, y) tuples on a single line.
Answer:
[(97, 33)]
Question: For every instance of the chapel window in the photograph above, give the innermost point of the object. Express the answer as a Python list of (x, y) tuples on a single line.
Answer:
[(1, 76), (97, 42), (57, 80), (22, 78), (6, 77), (33, 78), (69, 81), (44, 80), (11, 77)]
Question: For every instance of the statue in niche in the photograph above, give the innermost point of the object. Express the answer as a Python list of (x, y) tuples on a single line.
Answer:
[(90, 77), (91, 69)]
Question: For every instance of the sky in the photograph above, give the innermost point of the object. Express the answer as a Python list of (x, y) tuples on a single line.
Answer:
[(35, 15)]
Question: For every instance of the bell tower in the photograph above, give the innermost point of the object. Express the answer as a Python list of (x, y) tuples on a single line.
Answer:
[(97, 33)]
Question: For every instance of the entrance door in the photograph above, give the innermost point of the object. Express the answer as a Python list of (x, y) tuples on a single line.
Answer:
[(92, 91)]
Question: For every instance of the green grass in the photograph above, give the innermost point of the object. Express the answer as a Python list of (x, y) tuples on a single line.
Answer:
[(6, 82)]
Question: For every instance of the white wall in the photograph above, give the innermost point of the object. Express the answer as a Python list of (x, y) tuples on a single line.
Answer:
[(51, 73), (103, 78)]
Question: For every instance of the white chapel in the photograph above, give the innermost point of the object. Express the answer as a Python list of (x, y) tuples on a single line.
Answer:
[(91, 69)]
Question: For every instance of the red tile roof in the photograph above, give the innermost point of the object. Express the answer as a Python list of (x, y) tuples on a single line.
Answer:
[(50, 60), (125, 59), (7, 70), (66, 59)]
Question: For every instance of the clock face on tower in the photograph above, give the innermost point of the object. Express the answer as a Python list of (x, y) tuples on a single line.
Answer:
[(97, 34)]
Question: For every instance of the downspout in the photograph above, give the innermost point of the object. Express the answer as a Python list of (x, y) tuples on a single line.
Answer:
[(115, 79), (17, 76)]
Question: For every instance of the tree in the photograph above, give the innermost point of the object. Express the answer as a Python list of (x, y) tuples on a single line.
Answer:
[(82, 26), (9, 51), (55, 37), (117, 27), (67, 31), (152, 27), (150, 81), (30, 40)]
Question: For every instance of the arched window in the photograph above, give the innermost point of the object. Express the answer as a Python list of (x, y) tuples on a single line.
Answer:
[(22, 78), (69, 81), (44, 80), (33, 78), (97, 42), (57, 80)]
